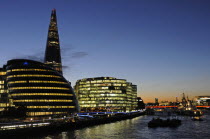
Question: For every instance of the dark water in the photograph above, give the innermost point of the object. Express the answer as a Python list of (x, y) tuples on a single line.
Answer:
[(136, 128)]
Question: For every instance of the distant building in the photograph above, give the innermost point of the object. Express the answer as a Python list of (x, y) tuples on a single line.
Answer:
[(106, 94), (165, 103), (140, 103), (202, 100), (52, 53), (151, 104), (156, 101)]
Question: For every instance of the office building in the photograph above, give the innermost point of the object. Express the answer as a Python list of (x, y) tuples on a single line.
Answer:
[(202, 100), (140, 103), (38, 87), (156, 101), (106, 94)]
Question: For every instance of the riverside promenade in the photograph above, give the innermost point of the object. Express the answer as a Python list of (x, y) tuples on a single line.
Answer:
[(63, 124)]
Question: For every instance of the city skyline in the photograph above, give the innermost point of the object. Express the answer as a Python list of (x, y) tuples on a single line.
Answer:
[(162, 47)]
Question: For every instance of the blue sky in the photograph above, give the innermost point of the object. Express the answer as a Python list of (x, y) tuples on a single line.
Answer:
[(162, 46)]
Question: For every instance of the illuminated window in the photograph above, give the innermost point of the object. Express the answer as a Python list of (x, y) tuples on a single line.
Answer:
[(44, 113), (2, 73), (28, 70), (42, 100), (41, 94), (12, 82), (42, 107), (34, 75), (60, 88), (38, 81)]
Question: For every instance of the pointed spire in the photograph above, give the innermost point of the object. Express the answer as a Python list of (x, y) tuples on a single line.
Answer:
[(177, 99), (187, 98), (52, 52), (53, 16)]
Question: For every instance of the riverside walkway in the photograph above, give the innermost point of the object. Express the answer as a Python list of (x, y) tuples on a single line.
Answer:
[(65, 123)]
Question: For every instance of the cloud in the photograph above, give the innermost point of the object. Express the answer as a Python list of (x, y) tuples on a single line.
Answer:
[(79, 54), (39, 56), (65, 67), (68, 54), (36, 58)]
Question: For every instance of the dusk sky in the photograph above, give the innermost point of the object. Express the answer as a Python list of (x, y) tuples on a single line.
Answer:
[(162, 46)]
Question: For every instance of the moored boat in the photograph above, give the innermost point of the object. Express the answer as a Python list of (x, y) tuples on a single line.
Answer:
[(164, 123), (197, 118)]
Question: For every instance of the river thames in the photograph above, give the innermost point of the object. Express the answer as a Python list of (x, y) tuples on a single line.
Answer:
[(136, 128)]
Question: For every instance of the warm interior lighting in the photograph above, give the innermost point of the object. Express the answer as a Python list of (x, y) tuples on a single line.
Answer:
[(41, 94), (42, 100), (33, 75), (47, 107)]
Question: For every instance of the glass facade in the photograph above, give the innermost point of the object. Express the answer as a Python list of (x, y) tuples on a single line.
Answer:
[(106, 94), (134, 100), (52, 53), (4, 96), (38, 87)]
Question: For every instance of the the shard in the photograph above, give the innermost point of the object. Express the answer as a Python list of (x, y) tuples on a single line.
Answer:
[(52, 52)]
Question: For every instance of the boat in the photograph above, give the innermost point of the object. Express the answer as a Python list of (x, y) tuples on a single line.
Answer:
[(164, 123), (197, 118)]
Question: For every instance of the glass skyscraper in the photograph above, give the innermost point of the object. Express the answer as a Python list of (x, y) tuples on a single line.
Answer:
[(52, 53)]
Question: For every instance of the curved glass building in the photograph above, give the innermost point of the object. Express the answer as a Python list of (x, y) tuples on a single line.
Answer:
[(40, 88), (106, 94)]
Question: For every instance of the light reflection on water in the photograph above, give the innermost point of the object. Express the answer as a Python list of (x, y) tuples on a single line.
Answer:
[(136, 128)]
